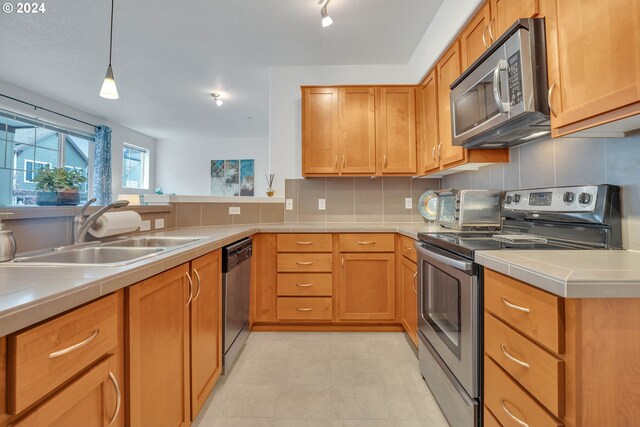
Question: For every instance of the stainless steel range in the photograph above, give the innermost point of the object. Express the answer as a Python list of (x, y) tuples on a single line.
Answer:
[(450, 292)]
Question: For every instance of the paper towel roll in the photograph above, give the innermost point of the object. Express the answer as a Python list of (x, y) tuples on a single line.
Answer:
[(112, 223)]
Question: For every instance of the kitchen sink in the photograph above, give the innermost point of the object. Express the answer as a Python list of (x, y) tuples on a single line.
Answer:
[(94, 255), (152, 242)]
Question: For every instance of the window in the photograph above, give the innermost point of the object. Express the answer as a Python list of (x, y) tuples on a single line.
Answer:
[(28, 145), (30, 171), (135, 167)]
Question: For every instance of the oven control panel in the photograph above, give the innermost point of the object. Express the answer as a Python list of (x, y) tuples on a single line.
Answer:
[(564, 199)]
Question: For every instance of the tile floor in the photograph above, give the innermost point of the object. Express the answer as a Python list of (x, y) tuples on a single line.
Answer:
[(316, 379)]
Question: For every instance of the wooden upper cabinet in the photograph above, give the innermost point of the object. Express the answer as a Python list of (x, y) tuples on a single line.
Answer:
[(357, 131), (396, 130), (320, 142), (475, 39), (449, 69), (428, 125), (598, 57), (506, 12)]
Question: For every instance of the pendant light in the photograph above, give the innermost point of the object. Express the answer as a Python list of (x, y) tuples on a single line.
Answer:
[(109, 89), (326, 19), (216, 96)]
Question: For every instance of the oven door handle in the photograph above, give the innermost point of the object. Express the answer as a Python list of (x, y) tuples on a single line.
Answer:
[(447, 259)]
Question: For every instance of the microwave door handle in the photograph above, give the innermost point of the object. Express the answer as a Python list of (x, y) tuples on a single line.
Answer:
[(502, 65), (452, 262)]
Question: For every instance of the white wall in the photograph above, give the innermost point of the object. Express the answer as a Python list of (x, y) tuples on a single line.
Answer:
[(184, 165), (119, 135), (285, 115), (445, 25)]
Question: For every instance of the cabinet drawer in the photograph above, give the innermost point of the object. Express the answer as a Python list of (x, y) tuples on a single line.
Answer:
[(304, 242), (305, 284), (45, 356), (292, 308), (304, 262), (408, 249), (537, 370), (364, 242), (509, 402), (490, 419), (535, 313)]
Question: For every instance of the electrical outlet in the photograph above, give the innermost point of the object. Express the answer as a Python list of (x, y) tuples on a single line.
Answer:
[(321, 204), (145, 225), (408, 203), (159, 223), (234, 210), (289, 204)]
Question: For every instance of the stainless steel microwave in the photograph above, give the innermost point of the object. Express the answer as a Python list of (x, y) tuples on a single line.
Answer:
[(501, 100)]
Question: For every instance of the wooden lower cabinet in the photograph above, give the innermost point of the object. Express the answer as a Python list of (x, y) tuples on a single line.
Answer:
[(158, 350), (91, 400), (409, 298), (367, 286), (206, 327)]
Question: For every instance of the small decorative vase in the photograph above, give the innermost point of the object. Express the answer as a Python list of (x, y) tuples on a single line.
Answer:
[(270, 192)]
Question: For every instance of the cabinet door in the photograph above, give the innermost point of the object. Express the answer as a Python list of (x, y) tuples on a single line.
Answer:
[(396, 130), (206, 328), (428, 128), (448, 71), (599, 60), (506, 12), (158, 356), (367, 286), (475, 39), (409, 298), (94, 399), (320, 131), (357, 131)]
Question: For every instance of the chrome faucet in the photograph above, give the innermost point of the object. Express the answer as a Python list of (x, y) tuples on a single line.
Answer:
[(81, 225)]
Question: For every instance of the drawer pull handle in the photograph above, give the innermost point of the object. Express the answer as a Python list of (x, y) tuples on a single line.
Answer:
[(366, 243), (415, 281), (304, 285), (408, 248), (75, 346), (516, 419), (118, 397), (199, 284), (304, 309), (513, 359), (190, 290), (304, 243), (515, 307), (304, 262)]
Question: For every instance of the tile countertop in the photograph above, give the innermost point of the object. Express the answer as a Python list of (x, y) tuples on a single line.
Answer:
[(570, 274), (30, 294)]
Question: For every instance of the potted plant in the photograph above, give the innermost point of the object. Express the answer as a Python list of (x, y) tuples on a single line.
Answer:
[(58, 186)]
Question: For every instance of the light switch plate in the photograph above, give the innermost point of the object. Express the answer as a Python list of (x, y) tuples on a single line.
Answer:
[(234, 210), (321, 204), (145, 225), (159, 223), (408, 203), (289, 204)]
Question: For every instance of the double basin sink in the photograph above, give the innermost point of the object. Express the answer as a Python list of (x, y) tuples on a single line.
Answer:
[(115, 253)]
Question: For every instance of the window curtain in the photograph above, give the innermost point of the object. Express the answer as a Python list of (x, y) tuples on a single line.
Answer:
[(102, 166)]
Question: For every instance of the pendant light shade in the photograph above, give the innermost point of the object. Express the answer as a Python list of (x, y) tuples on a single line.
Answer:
[(109, 90), (326, 19)]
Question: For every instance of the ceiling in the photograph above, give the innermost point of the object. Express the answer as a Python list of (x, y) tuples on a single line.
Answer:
[(168, 55)]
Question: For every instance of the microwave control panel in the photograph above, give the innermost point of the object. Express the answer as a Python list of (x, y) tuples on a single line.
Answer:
[(515, 79)]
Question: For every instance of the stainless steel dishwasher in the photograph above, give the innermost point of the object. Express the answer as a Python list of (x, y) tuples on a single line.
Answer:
[(236, 279)]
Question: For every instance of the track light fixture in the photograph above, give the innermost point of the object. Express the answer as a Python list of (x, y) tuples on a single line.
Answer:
[(216, 96), (326, 19)]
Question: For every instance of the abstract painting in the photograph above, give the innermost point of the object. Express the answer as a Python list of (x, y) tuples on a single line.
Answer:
[(232, 177)]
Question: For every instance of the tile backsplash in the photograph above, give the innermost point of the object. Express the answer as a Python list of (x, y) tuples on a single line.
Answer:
[(569, 161), (356, 199)]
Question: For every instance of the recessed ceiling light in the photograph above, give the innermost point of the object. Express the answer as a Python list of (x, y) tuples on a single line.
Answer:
[(326, 19), (216, 96)]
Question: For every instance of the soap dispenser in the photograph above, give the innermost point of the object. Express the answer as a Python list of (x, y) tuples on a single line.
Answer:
[(7, 242)]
